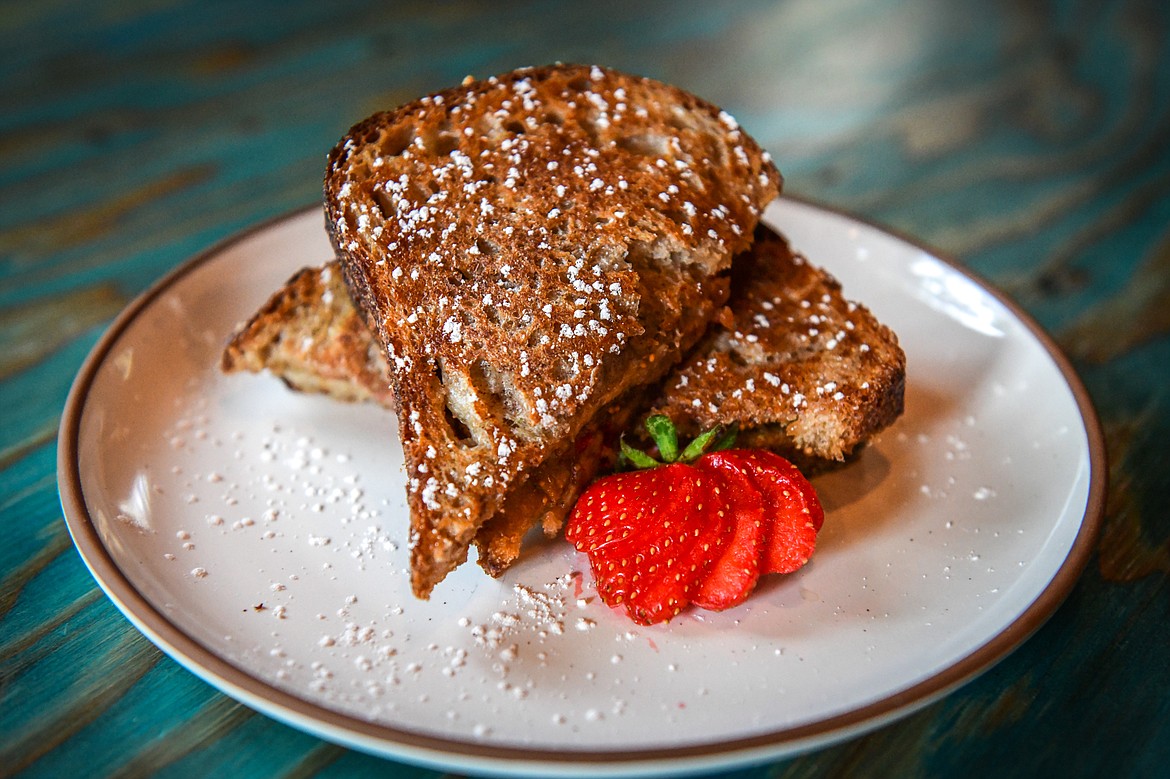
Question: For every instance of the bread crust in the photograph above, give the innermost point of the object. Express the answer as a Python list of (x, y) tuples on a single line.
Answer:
[(526, 250)]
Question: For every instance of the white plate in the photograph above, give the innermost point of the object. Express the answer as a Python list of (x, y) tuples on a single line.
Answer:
[(259, 538)]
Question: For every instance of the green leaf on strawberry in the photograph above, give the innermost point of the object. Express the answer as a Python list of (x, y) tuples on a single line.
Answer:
[(662, 431)]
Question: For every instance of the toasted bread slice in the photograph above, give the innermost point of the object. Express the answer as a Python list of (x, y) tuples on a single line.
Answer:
[(802, 370), (527, 250), (310, 335)]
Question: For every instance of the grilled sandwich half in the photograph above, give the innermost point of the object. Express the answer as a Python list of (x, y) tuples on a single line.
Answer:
[(529, 252)]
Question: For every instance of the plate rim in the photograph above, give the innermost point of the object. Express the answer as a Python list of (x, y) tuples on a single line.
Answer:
[(395, 742)]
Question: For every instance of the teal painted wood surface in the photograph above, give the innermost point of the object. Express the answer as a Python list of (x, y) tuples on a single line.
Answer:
[(1031, 141)]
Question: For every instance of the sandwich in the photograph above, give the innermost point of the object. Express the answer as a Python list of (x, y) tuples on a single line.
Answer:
[(801, 370), (527, 263)]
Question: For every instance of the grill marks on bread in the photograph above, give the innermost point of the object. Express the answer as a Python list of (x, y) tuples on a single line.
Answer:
[(527, 249)]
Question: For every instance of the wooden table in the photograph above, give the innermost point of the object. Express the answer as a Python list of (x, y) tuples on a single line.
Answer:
[(1031, 143)]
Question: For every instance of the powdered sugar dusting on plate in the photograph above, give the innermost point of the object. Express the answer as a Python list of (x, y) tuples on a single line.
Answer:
[(904, 585)]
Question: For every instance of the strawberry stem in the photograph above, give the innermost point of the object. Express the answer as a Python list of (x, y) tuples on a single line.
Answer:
[(728, 440), (662, 430), (702, 443), (665, 436), (636, 457)]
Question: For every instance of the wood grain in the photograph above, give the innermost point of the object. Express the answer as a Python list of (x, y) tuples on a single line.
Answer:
[(1032, 141)]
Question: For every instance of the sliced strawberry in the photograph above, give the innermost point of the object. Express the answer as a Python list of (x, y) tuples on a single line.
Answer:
[(615, 506), (639, 529), (792, 504), (702, 528), (734, 573), (676, 566)]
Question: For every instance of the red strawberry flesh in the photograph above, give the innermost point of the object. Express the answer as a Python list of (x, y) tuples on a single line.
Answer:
[(676, 567), (795, 512), (700, 531), (614, 507), (734, 574), (646, 534)]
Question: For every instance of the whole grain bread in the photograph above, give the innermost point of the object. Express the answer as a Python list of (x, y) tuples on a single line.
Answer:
[(310, 335), (528, 250), (800, 369)]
